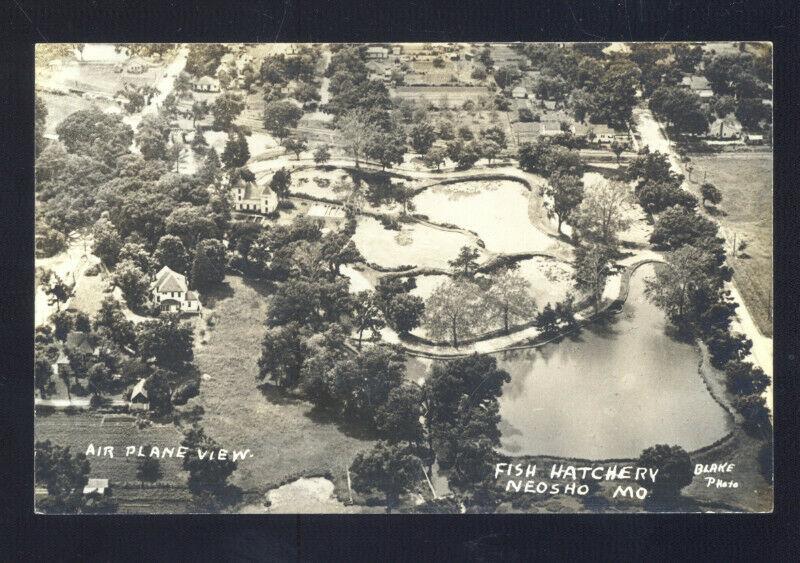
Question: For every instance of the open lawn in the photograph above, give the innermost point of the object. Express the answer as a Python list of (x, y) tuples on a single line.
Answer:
[(745, 180), (286, 438)]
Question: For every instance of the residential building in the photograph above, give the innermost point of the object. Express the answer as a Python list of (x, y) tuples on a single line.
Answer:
[(136, 66), (605, 135), (377, 53), (519, 92), (171, 293), (206, 84), (698, 84), (250, 196), (138, 399), (99, 486), (727, 127)]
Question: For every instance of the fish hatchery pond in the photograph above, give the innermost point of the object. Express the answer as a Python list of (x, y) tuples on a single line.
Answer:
[(618, 387)]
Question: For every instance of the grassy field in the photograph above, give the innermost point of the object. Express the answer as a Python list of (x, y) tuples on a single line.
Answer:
[(745, 180), (79, 430), (286, 438)]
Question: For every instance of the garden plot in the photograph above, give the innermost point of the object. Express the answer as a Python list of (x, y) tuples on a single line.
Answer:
[(414, 244), (318, 183)]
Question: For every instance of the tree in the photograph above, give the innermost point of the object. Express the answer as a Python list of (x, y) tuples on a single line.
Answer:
[(603, 213), (40, 120), (751, 112), (63, 323), (506, 75), (655, 196), (98, 379), (133, 282), (615, 96), (405, 312), (566, 190), (391, 469), (43, 374), (199, 111), (510, 298), (295, 145), (152, 137), (367, 315), (207, 476), (159, 393), (466, 263), (652, 166), (617, 148), (387, 146), (592, 270), (686, 57), (677, 227), (674, 287), (94, 133), (49, 241), (454, 311), (192, 224), (283, 352), (710, 193), (280, 182), (753, 409), (399, 419), (171, 252), (422, 136), (107, 242), (111, 318), (226, 109), (57, 290), (337, 250), (65, 475), (281, 116), (148, 469), (355, 130), (435, 157), (726, 347), (322, 154), (461, 408), (743, 378), (674, 471), (208, 267), (236, 153), (166, 341), (681, 108), (361, 383)]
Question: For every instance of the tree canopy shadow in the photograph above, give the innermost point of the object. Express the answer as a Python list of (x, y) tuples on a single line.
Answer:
[(216, 294)]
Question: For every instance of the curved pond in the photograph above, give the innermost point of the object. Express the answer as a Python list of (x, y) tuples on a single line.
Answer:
[(610, 392), (497, 210)]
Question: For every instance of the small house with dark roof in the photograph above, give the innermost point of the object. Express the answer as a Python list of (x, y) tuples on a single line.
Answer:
[(171, 293), (138, 399)]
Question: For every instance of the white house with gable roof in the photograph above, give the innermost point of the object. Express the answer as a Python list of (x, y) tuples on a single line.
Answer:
[(172, 294)]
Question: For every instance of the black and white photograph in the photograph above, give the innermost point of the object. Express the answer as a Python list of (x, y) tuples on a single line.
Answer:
[(403, 278)]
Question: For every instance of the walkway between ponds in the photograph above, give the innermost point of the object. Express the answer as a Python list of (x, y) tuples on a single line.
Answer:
[(522, 338)]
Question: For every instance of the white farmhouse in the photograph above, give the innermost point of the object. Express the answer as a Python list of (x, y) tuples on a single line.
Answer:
[(172, 294), (249, 196)]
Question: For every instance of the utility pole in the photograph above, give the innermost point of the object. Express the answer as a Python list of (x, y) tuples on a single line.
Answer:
[(734, 245)]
